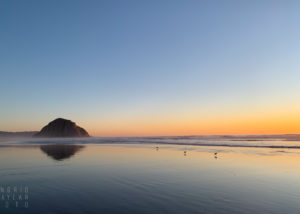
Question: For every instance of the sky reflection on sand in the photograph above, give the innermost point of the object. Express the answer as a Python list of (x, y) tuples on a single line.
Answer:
[(154, 178)]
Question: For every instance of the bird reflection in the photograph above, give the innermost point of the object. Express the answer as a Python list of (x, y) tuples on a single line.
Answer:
[(60, 152)]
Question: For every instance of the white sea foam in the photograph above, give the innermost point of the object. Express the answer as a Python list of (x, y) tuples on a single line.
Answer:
[(263, 141)]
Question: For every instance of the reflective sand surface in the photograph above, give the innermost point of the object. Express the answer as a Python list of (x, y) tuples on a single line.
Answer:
[(148, 179)]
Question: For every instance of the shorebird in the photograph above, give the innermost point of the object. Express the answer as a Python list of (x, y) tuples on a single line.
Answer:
[(216, 155)]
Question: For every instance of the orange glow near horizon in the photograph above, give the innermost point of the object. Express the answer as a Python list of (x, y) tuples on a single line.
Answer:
[(288, 123), (211, 121)]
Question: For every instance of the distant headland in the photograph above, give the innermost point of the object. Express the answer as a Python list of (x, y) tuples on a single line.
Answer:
[(18, 134), (62, 128)]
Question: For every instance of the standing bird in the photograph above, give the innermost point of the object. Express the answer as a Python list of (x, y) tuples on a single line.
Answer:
[(216, 157)]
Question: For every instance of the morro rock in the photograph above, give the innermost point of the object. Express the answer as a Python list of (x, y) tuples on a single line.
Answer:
[(62, 128)]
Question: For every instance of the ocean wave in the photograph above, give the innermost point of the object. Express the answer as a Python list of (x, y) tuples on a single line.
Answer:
[(235, 141)]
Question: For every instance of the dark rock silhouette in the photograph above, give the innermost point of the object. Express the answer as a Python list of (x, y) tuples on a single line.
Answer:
[(60, 152), (62, 128)]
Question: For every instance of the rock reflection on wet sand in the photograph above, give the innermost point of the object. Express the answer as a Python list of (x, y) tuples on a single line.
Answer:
[(61, 152)]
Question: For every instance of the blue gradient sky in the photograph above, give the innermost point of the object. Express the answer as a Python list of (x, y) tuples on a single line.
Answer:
[(151, 67)]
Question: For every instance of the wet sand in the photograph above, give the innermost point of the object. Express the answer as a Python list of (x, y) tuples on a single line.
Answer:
[(151, 179)]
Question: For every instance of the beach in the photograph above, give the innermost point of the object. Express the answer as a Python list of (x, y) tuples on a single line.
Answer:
[(148, 178)]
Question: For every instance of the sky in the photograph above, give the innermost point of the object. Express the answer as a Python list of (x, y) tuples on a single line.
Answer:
[(144, 68)]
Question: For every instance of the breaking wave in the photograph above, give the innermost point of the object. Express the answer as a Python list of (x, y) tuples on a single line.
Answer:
[(257, 141)]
